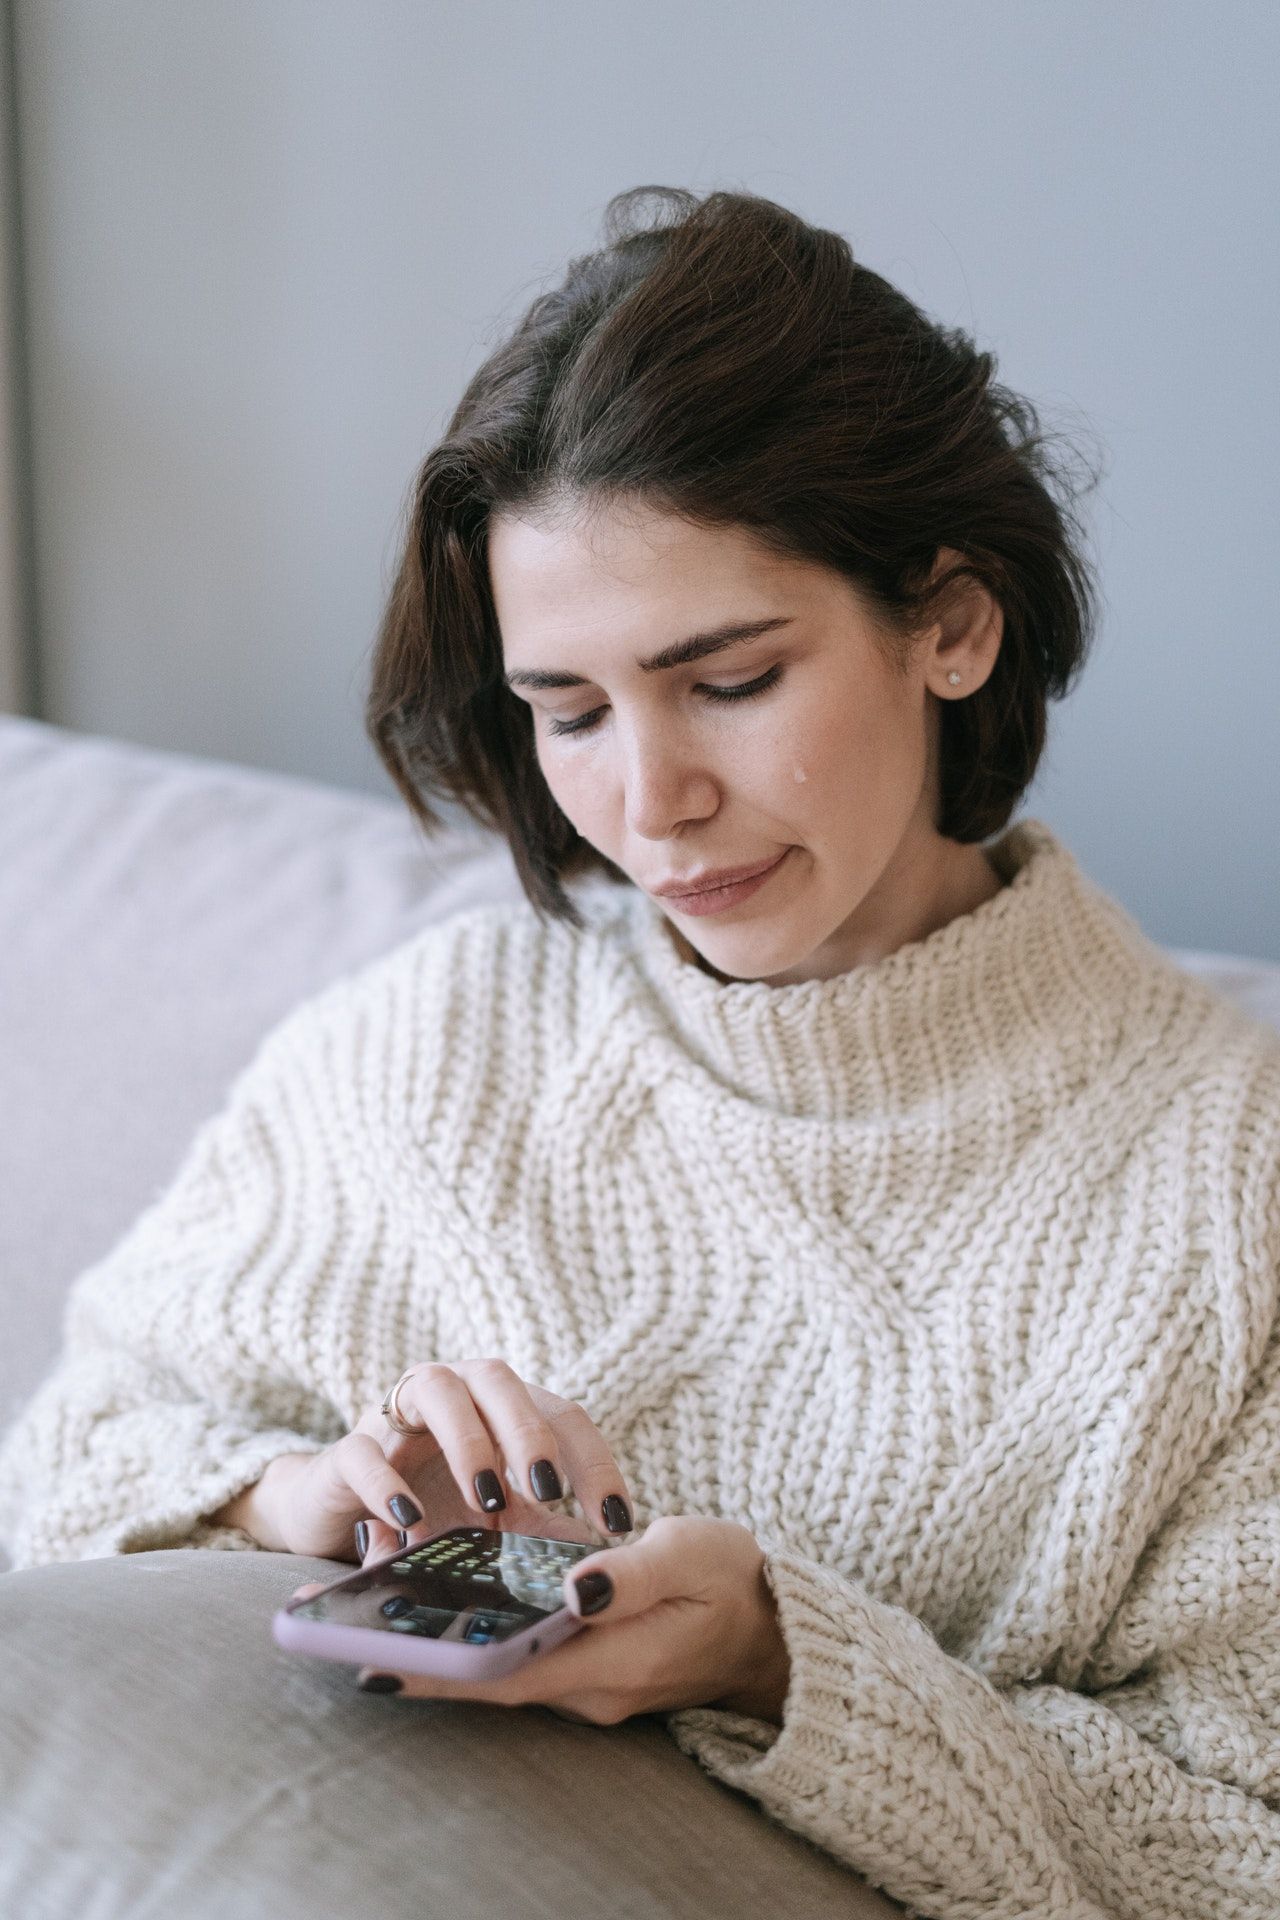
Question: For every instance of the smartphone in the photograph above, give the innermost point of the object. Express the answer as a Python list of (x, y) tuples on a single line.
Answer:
[(470, 1603)]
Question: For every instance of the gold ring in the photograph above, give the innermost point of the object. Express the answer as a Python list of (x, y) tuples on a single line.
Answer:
[(391, 1409)]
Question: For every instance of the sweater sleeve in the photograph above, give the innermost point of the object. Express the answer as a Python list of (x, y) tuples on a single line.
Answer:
[(183, 1369), (1151, 1791)]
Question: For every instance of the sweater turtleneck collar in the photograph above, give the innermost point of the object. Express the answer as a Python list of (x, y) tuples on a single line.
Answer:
[(1032, 986)]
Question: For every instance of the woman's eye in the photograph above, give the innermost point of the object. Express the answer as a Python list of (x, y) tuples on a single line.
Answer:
[(581, 725), (744, 690)]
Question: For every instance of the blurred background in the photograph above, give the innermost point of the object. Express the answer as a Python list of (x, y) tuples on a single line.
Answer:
[(254, 251)]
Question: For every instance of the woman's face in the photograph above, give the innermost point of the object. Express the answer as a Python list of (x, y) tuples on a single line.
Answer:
[(797, 747)]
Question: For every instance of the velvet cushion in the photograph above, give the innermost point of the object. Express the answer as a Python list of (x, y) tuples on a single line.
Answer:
[(161, 1756)]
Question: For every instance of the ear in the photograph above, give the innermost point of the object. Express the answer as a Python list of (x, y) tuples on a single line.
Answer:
[(966, 632)]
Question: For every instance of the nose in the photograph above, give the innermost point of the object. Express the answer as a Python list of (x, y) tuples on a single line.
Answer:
[(664, 785)]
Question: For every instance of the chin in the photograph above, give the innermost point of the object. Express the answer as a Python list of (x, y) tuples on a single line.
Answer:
[(750, 956)]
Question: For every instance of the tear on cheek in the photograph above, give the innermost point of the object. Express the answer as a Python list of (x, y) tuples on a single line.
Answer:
[(799, 776)]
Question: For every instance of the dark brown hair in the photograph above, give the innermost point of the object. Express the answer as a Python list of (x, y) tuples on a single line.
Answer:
[(722, 360)]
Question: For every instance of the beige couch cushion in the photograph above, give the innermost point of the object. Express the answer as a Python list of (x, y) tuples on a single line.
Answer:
[(160, 1756)]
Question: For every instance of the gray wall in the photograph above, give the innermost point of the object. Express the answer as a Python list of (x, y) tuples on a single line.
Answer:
[(267, 241), (18, 693)]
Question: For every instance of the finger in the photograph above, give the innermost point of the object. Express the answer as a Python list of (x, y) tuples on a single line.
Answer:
[(305, 1591), (357, 1465), (581, 1675), (375, 1540), (527, 1439), (547, 1677), (509, 1691), (598, 1483), (618, 1583), (438, 1397), (442, 1501)]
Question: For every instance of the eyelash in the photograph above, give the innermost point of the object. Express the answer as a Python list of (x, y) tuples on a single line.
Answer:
[(745, 690)]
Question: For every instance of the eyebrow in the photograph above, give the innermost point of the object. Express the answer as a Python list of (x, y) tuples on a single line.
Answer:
[(679, 654)]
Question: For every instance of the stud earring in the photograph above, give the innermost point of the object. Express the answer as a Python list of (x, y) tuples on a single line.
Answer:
[(953, 679)]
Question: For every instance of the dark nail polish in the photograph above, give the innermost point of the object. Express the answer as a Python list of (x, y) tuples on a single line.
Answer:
[(545, 1480), (595, 1590), (404, 1510), (489, 1488), (381, 1683), (362, 1537), (616, 1517), (402, 1538)]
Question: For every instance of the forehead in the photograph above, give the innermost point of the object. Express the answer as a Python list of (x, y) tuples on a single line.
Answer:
[(632, 578)]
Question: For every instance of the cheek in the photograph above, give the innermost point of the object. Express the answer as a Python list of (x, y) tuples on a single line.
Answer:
[(851, 749), (580, 796), (830, 772), (815, 760)]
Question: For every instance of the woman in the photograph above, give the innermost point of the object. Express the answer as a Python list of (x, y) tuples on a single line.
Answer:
[(840, 1194)]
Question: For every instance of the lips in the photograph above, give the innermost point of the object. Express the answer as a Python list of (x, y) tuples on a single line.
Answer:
[(725, 895), (713, 882)]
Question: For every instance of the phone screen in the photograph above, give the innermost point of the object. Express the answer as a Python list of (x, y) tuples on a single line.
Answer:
[(469, 1584)]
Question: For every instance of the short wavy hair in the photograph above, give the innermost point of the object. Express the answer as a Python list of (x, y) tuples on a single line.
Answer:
[(721, 360)]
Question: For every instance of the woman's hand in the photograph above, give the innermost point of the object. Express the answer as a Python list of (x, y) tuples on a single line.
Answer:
[(688, 1620), (483, 1423)]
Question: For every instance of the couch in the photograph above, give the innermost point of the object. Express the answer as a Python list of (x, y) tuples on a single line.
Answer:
[(158, 1754)]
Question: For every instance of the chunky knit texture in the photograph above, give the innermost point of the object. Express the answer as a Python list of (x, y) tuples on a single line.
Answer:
[(954, 1278)]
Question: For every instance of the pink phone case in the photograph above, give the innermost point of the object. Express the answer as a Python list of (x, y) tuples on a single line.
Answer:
[(413, 1653)]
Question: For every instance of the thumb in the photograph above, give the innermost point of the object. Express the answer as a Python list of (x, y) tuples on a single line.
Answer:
[(621, 1581)]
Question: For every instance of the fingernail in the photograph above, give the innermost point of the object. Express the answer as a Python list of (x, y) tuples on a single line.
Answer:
[(490, 1491), (404, 1510), (595, 1590), (616, 1517), (362, 1537), (402, 1538), (381, 1683), (545, 1480)]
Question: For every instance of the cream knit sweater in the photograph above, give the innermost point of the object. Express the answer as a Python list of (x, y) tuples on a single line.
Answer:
[(954, 1278)]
